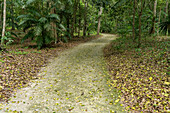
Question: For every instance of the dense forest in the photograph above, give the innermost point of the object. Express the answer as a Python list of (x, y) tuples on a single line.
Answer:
[(31, 30), (53, 21)]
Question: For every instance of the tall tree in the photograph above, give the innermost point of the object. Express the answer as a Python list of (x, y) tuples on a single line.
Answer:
[(79, 19), (85, 18), (99, 20), (166, 8), (140, 24), (74, 17), (154, 17), (4, 23), (134, 14)]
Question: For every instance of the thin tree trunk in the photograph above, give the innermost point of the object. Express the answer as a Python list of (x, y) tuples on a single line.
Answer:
[(79, 19), (77, 5), (140, 30), (4, 23), (154, 17), (1, 16), (2, 13), (134, 13), (12, 16), (74, 18), (159, 20), (99, 20), (68, 25), (85, 20), (55, 26), (53, 11), (166, 8), (42, 5)]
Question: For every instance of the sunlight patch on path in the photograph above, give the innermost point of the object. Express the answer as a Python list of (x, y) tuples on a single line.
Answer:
[(74, 82)]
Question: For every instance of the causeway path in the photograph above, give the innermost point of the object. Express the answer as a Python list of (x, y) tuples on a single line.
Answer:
[(73, 82)]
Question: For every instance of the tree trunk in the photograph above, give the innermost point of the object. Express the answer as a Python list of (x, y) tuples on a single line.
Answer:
[(79, 19), (159, 20), (12, 16), (99, 20), (154, 17), (140, 25), (4, 23), (53, 11), (1, 16), (2, 13), (54, 28), (77, 5), (74, 18), (166, 8), (134, 13), (85, 20), (68, 25)]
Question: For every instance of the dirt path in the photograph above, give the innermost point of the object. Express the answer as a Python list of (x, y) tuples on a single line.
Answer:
[(73, 82)]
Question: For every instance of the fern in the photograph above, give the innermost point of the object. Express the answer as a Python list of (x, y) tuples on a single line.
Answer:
[(39, 41), (38, 30), (43, 20), (47, 27), (39, 27), (28, 35), (61, 26), (29, 2), (54, 16), (23, 16)]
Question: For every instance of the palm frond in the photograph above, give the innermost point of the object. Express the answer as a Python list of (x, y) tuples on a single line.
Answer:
[(120, 3), (43, 20), (27, 20), (30, 1), (62, 27), (34, 13), (48, 39), (28, 35), (47, 27), (54, 16), (38, 30), (23, 16), (39, 41), (165, 26)]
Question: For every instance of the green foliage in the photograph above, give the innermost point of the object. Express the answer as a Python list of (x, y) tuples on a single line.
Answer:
[(165, 26), (39, 27), (8, 38), (19, 52)]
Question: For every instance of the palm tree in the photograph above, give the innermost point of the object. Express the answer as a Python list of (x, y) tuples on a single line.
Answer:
[(39, 27)]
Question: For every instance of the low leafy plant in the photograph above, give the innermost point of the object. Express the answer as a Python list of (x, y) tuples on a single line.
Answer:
[(8, 38), (39, 27)]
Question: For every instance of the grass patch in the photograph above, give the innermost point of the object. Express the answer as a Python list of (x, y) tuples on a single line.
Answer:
[(140, 73)]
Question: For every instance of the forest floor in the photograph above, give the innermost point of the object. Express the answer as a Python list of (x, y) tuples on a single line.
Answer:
[(141, 74), (75, 81), (22, 62)]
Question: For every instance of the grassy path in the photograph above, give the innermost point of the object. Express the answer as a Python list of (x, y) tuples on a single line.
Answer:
[(73, 82)]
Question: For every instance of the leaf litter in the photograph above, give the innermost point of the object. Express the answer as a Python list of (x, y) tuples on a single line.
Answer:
[(141, 74), (22, 63)]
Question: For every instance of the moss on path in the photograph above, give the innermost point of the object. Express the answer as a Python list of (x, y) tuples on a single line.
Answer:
[(74, 82)]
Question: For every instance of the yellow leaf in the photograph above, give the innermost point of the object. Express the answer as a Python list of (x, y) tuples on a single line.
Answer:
[(166, 94), (150, 78), (117, 100), (133, 108), (167, 83)]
